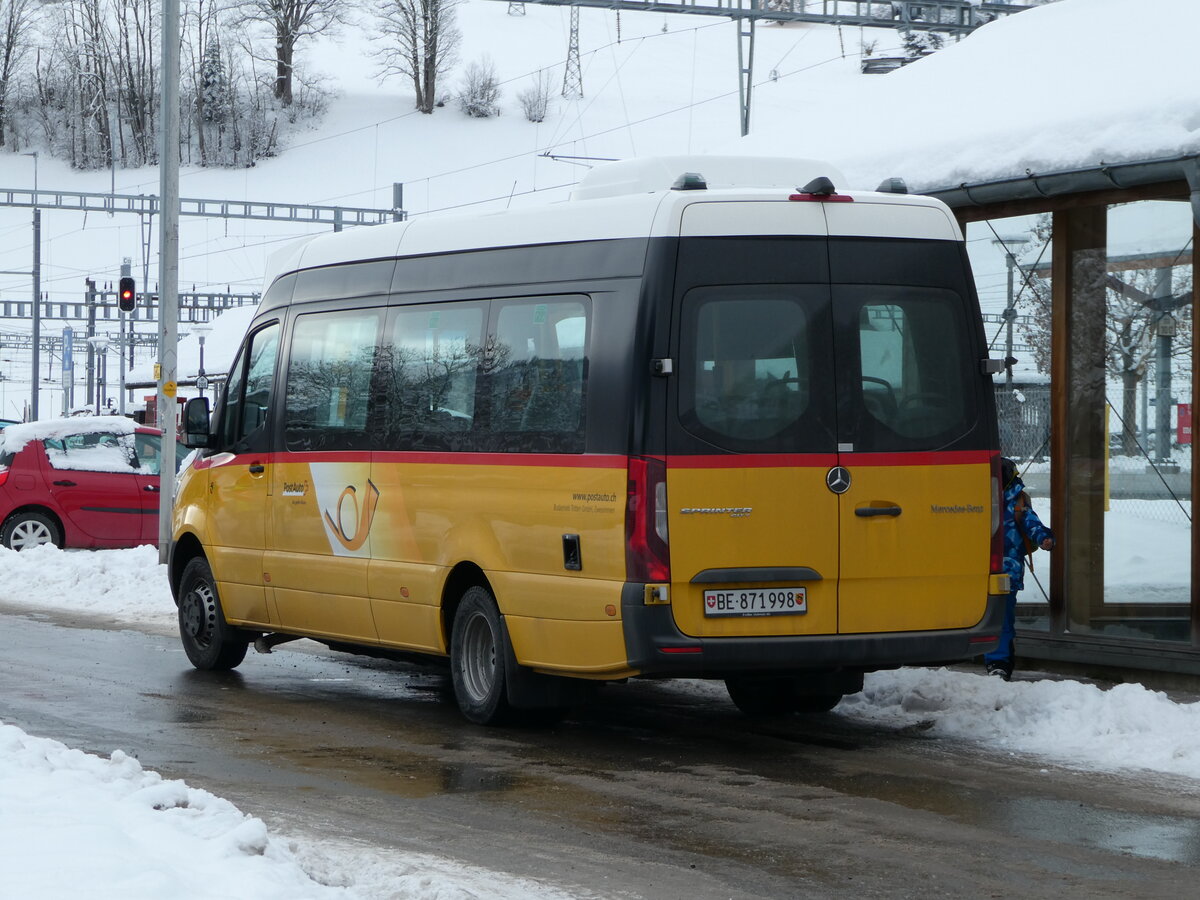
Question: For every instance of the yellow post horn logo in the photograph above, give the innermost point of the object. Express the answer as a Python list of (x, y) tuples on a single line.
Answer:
[(365, 515)]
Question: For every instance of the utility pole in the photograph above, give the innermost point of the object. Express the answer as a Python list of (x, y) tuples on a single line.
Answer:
[(91, 331), (126, 272), (37, 291), (168, 267)]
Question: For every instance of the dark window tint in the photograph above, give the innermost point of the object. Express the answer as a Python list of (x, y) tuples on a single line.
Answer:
[(913, 388), (536, 363), (427, 370), (329, 379), (248, 393), (755, 368)]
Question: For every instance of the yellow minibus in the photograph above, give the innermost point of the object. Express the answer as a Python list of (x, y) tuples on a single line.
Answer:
[(710, 418)]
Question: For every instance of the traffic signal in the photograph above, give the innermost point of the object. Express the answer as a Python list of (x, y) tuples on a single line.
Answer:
[(127, 296)]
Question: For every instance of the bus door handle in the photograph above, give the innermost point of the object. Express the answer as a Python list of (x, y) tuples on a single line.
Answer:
[(868, 511), (257, 468)]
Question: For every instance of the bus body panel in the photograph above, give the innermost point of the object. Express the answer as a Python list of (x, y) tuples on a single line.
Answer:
[(319, 546), (236, 530), (770, 514), (925, 567)]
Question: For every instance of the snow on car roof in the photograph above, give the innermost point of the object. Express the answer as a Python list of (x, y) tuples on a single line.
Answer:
[(14, 437)]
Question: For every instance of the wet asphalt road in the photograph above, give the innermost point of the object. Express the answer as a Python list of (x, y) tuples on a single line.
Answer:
[(655, 790)]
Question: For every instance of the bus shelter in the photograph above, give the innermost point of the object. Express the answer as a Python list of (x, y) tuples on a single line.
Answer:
[(1093, 288)]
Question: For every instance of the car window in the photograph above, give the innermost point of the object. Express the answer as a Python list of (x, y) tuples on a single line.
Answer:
[(92, 451)]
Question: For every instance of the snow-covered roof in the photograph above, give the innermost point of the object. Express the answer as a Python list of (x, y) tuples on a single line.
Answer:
[(1071, 84), (220, 346), (15, 437)]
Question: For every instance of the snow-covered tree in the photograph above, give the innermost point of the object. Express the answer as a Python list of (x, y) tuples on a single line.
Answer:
[(16, 20), (291, 22), (479, 95), (417, 40)]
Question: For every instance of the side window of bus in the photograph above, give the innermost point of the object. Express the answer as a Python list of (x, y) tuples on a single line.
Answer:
[(248, 393), (748, 358), (328, 380), (536, 364), (912, 366), (426, 374)]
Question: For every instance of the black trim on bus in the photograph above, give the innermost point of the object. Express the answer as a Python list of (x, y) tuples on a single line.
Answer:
[(656, 647), (757, 575)]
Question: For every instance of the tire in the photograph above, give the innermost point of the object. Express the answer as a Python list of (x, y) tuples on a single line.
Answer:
[(760, 697), (29, 529), (211, 643), (478, 645)]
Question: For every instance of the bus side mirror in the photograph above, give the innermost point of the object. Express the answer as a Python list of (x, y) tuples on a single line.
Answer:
[(195, 423)]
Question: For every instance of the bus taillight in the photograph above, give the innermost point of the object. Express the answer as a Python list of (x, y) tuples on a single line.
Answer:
[(646, 553), (997, 518)]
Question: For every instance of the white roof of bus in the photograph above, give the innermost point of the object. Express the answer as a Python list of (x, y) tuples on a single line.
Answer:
[(633, 198)]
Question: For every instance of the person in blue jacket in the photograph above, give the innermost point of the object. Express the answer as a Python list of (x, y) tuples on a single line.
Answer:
[(1023, 533)]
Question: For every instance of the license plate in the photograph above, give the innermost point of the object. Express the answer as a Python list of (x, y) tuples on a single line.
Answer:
[(783, 601)]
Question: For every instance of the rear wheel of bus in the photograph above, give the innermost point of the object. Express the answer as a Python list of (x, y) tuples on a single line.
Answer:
[(779, 695), (211, 643)]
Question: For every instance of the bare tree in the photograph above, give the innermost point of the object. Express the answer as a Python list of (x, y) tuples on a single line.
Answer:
[(16, 18), (418, 40), (292, 21)]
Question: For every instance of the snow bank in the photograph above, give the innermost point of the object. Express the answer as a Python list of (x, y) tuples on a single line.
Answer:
[(129, 833), (1126, 727)]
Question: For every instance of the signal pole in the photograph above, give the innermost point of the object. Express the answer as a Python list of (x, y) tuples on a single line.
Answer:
[(168, 267)]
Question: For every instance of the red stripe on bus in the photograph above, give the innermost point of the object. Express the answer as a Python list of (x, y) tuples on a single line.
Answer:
[(548, 460)]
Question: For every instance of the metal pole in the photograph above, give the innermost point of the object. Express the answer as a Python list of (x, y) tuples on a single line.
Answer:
[(37, 307), (168, 268), (1010, 313)]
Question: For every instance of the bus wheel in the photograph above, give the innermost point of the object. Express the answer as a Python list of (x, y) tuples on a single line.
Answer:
[(210, 642), (477, 650), (816, 703), (762, 696)]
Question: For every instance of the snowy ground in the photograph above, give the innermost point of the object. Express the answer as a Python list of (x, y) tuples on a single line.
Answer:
[(136, 835)]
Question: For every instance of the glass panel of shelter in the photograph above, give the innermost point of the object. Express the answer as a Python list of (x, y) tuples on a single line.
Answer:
[(1147, 457), (1011, 261), (1125, 538)]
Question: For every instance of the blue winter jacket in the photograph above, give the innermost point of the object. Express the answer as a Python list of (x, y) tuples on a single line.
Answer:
[(1014, 546)]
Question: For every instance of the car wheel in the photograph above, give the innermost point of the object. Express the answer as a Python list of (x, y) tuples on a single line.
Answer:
[(211, 643), (478, 645), (29, 529)]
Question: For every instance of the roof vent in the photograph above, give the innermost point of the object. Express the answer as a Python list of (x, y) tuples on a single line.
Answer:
[(819, 187), (892, 186), (690, 181)]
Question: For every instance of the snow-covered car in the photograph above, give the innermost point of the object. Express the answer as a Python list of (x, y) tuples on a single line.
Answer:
[(79, 482)]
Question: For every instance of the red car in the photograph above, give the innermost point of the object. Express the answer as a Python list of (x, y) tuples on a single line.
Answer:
[(80, 482)]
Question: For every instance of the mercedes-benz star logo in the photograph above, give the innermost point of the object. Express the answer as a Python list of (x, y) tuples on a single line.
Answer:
[(837, 480)]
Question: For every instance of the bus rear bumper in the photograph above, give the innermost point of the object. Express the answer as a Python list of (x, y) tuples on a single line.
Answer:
[(657, 648)]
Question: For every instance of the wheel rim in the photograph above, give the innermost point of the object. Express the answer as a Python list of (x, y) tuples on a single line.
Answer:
[(479, 658), (30, 533), (198, 614)]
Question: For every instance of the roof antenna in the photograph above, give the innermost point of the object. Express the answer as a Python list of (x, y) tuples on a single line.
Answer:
[(819, 187)]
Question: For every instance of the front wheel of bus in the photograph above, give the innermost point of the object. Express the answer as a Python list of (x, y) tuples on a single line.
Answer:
[(477, 648), (211, 643)]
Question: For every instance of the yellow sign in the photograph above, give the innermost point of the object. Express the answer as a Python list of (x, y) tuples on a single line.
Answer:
[(169, 389), (157, 371)]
